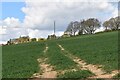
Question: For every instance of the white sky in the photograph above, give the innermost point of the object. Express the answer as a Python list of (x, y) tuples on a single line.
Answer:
[(40, 14)]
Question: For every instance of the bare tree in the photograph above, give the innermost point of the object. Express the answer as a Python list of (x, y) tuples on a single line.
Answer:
[(75, 27), (90, 25), (72, 27), (115, 23), (81, 27), (106, 24), (69, 30), (117, 20)]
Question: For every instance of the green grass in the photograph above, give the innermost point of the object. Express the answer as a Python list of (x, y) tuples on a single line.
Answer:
[(99, 49), (57, 58), (0, 62), (20, 61), (82, 74)]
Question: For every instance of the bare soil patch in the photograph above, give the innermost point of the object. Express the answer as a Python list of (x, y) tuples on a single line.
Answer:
[(47, 69), (47, 72)]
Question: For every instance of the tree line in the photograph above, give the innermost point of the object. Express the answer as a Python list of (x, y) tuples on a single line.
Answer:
[(89, 26)]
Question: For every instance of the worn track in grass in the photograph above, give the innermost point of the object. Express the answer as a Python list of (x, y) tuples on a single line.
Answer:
[(47, 69), (96, 69)]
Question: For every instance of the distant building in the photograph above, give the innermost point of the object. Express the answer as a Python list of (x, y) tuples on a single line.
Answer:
[(33, 39), (2, 44), (24, 39), (51, 37), (66, 34), (40, 39), (19, 40), (14, 41)]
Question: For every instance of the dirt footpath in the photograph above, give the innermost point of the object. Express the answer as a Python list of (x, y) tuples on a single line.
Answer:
[(96, 69)]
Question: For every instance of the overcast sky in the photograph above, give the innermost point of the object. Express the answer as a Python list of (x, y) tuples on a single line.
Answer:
[(35, 18)]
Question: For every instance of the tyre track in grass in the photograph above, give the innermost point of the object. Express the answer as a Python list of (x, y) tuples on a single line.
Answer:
[(47, 69), (96, 69)]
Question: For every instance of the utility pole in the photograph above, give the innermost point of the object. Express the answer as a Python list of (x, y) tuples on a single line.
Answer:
[(54, 27)]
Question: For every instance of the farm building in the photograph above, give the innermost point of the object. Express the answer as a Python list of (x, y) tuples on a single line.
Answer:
[(66, 34), (33, 39), (51, 37), (40, 39), (19, 40), (24, 39)]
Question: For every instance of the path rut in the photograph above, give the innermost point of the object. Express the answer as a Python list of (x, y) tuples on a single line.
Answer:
[(99, 72), (47, 69)]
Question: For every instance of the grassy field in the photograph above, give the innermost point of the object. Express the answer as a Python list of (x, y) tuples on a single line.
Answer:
[(0, 62), (81, 74), (57, 58), (99, 49), (20, 61)]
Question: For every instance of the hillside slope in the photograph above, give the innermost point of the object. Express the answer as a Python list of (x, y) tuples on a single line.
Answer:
[(96, 49), (20, 61)]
